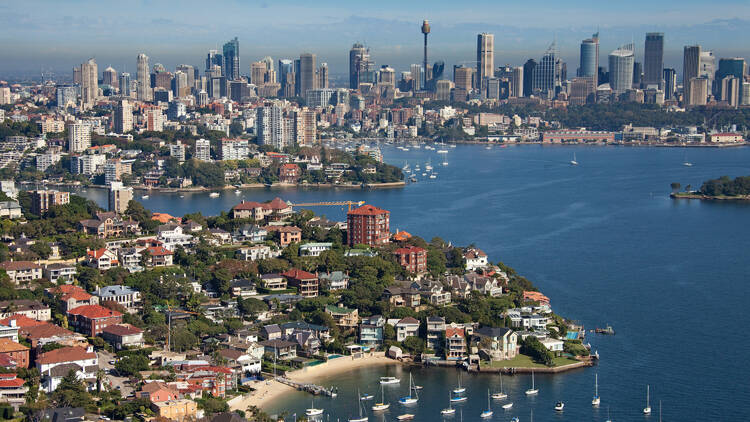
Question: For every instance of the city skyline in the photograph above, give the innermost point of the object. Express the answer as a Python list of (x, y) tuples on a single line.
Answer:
[(392, 38)]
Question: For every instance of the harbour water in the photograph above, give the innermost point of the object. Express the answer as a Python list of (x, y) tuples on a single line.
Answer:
[(605, 243)]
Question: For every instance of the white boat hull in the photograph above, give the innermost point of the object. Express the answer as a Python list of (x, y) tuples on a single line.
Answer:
[(313, 412), (532, 392), (507, 406), (380, 407), (499, 396), (448, 411), (486, 414)]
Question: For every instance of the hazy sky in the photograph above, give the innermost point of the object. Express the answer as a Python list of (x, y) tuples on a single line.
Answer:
[(58, 34)]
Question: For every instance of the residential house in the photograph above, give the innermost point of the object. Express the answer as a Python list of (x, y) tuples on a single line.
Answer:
[(109, 224), (159, 256), (10, 209), (532, 296), (407, 327), (484, 284), (314, 248), (286, 234), (242, 288), (250, 233), (245, 363), (30, 308), (371, 330), (475, 258), (56, 364), (433, 292), (289, 173), (90, 320), (219, 236), (102, 259), (176, 410), (44, 333), (282, 349), (497, 343), (130, 259), (553, 345), (455, 343), (21, 271), (279, 302), (343, 316), (273, 281), (157, 391), (321, 331), (123, 295), (412, 258), (10, 331), (12, 390), (306, 283), (402, 296), (526, 320), (274, 210), (15, 352), (459, 286), (172, 235), (254, 253), (335, 280), (122, 336), (308, 344), (435, 332), (72, 296), (60, 272), (271, 332)]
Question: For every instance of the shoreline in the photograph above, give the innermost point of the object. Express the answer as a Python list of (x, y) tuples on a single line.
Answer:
[(248, 186), (743, 198)]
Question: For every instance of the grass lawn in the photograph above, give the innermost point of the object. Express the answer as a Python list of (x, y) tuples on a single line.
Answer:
[(523, 361)]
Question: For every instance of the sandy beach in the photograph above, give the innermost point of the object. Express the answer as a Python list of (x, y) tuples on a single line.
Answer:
[(266, 391)]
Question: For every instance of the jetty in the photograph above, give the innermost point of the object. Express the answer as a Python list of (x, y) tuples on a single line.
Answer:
[(317, 390)]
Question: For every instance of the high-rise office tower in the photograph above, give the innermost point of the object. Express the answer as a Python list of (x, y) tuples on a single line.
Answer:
[(66, 95), (307, 73), (286, 77), (637, 74), (545, 74), (589, 64), (258, 73), (528, 76), (516, 82), (125, 84), (387, 76), (89, 82), (358, 56), (189, 73), (425, 31), (621, 69), (180, 86), (463, 77), (485, 59), (731, 67), (708, 70), (670, 83), (232, 59), (77, 75), (297, 77), (322, 82), (109, 77), (213, 58), (731, 89), (653, 61), (143, 92), (123, 117), (691, 61), (416, 75), (698, 91)]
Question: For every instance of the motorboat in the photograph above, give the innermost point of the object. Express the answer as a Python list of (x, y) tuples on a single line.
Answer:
[(559, 406), (507, 406), (214, 195), (389, 380), (405, 417)]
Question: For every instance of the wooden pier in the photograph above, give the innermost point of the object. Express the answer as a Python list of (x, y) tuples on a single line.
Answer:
[(314, 389)]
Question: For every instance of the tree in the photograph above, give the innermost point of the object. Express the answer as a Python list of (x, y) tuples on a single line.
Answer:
[(675, 186), (72, 392), (532, 347), (132, 365), (251, 307)]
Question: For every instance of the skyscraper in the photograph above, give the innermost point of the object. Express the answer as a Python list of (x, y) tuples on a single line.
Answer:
[(416, 74), (258, 73), (528, 76), (89, 82), (517, 82), (286, 77), (190, 73), (653, 60), (670, 83), (143, 91), (123, 117), (589, 64), (731, 67), (463, 77), (691, 61), (707, 70), (322, 81), (269, 126), (425, 31), (109, 77), (79, 137), (125, 84), (485, 58), (637, 74), (545, 74), (232, 59), (307, 73), (356, 53), (621, 63), (214, 58)]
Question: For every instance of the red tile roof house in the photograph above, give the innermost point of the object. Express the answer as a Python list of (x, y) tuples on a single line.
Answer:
[(55, 364), (39, 335), (275, 210), (123, 335), (159, 256), (289, 173), (21, 271), (412, 258), (12, 390), (211, 379), (90, 320), (102, 259), (158, 391), (287, 234), (306, 283), (15, 351), (72, 296)]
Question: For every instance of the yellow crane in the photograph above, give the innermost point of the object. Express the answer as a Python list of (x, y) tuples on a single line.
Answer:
[(328, 204)]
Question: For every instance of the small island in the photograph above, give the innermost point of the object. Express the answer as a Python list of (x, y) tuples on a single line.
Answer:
[(721, 189)]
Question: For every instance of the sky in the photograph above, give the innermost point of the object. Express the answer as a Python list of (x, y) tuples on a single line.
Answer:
[(57, 35)]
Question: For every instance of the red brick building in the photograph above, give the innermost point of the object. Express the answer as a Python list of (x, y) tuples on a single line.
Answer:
[(289, 173), (412, 258), (306, 283), (368, 225), (91, 319), (15, 352)]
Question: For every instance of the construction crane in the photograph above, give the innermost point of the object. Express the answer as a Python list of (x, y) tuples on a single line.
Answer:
[(328, 204)]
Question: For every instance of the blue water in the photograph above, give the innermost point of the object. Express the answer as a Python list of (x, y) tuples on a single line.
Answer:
[(606, 244)]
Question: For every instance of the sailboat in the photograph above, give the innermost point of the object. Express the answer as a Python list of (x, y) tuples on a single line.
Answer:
[(382, 405), (312, 411), (647, 409), (459, 389), (659, 410), (596, 400), (608, 418), (533, 390), (450, 410), (487, 413), (359, 406), (501, 395), (573, 162), (410, 399), (685, 162)]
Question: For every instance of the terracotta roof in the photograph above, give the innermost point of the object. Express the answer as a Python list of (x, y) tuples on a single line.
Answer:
[(474, 253), (401, 236), (535, 296), (122, 329), (11, 382), (18, 265), (159, 251), (450, 332), (290, 166), (162, 217), (298, 274), (409, 250), (22, 321), (285, 229), (7, 345), (76, 296), (65, 288), (368, 210), (65, 354), (275, 205), (45, 330), (94, 312), (97, 253), (408, 320)]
